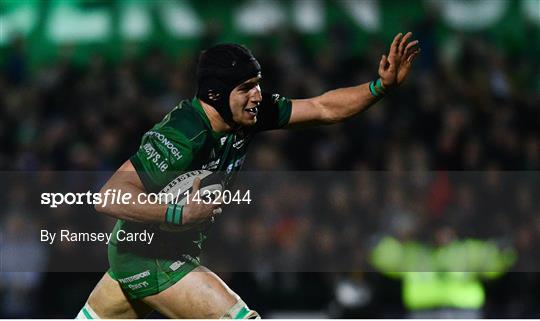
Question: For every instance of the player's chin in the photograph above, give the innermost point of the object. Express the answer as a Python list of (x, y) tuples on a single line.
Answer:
[(248, 121)]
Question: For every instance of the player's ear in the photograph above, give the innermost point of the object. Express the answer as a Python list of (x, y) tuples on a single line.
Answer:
[(231, 98)]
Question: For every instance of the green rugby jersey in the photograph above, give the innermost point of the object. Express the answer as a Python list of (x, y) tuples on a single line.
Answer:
[(184, 141)]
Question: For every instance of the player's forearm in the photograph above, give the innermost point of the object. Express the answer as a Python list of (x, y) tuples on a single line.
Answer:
[(136, 209), (342, 103)]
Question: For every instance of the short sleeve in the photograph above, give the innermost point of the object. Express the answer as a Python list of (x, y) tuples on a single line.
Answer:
[(274, 112), (161, 157)]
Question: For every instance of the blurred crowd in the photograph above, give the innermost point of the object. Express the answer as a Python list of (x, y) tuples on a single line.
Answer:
[(466, 106)]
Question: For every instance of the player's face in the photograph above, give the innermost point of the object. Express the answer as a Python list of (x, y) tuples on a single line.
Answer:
[(244, 101)]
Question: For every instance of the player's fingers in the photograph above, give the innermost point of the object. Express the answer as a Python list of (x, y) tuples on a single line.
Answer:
[(196, 184), (215, 212), (410, 45), (382, 63), (392, 63), (403, 42), (395, 43), (413, 55)]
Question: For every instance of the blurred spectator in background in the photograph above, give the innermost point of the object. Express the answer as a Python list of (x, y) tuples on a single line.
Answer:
[(20, 252), (442, 280)]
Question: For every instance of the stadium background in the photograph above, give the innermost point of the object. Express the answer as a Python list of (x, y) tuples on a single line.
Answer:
[(82, 81)]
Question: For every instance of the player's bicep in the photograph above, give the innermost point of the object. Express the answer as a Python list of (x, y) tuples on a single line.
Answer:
[(306, 112), (126, 175), (159, 158), (125, 179)]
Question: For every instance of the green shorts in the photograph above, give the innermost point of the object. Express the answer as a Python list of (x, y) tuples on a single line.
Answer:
[(141, 272), (152, 276)]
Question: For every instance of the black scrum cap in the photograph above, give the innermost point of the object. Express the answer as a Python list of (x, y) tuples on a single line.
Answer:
[(220, 69)]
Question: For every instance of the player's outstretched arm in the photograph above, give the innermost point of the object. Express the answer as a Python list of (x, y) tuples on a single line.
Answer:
[(127, 181), (339, 104)]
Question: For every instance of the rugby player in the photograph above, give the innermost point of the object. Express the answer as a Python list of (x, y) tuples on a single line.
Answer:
[(211, 131)]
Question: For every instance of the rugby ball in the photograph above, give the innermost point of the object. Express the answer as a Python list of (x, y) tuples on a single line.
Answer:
[(177, 188)]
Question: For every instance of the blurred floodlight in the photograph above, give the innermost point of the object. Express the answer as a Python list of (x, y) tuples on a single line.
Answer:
[(259, 16), (14, 22), (365, 13), (180, 18), (135, 22), (473, 14), (309, 15), (531, 9)]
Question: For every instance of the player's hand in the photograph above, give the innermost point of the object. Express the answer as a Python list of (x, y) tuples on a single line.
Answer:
[(394, 68), (196, 211)]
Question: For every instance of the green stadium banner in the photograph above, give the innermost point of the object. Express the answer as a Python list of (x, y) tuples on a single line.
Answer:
[(85, 27)]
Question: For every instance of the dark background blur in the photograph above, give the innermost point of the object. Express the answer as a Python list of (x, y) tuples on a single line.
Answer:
[(82, 81)]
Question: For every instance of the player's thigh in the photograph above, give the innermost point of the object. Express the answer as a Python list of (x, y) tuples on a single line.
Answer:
[(201, 294), (109, 301)]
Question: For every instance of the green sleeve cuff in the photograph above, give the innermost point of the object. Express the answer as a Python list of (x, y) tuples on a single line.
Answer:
[(143, 175), (285, 111)]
